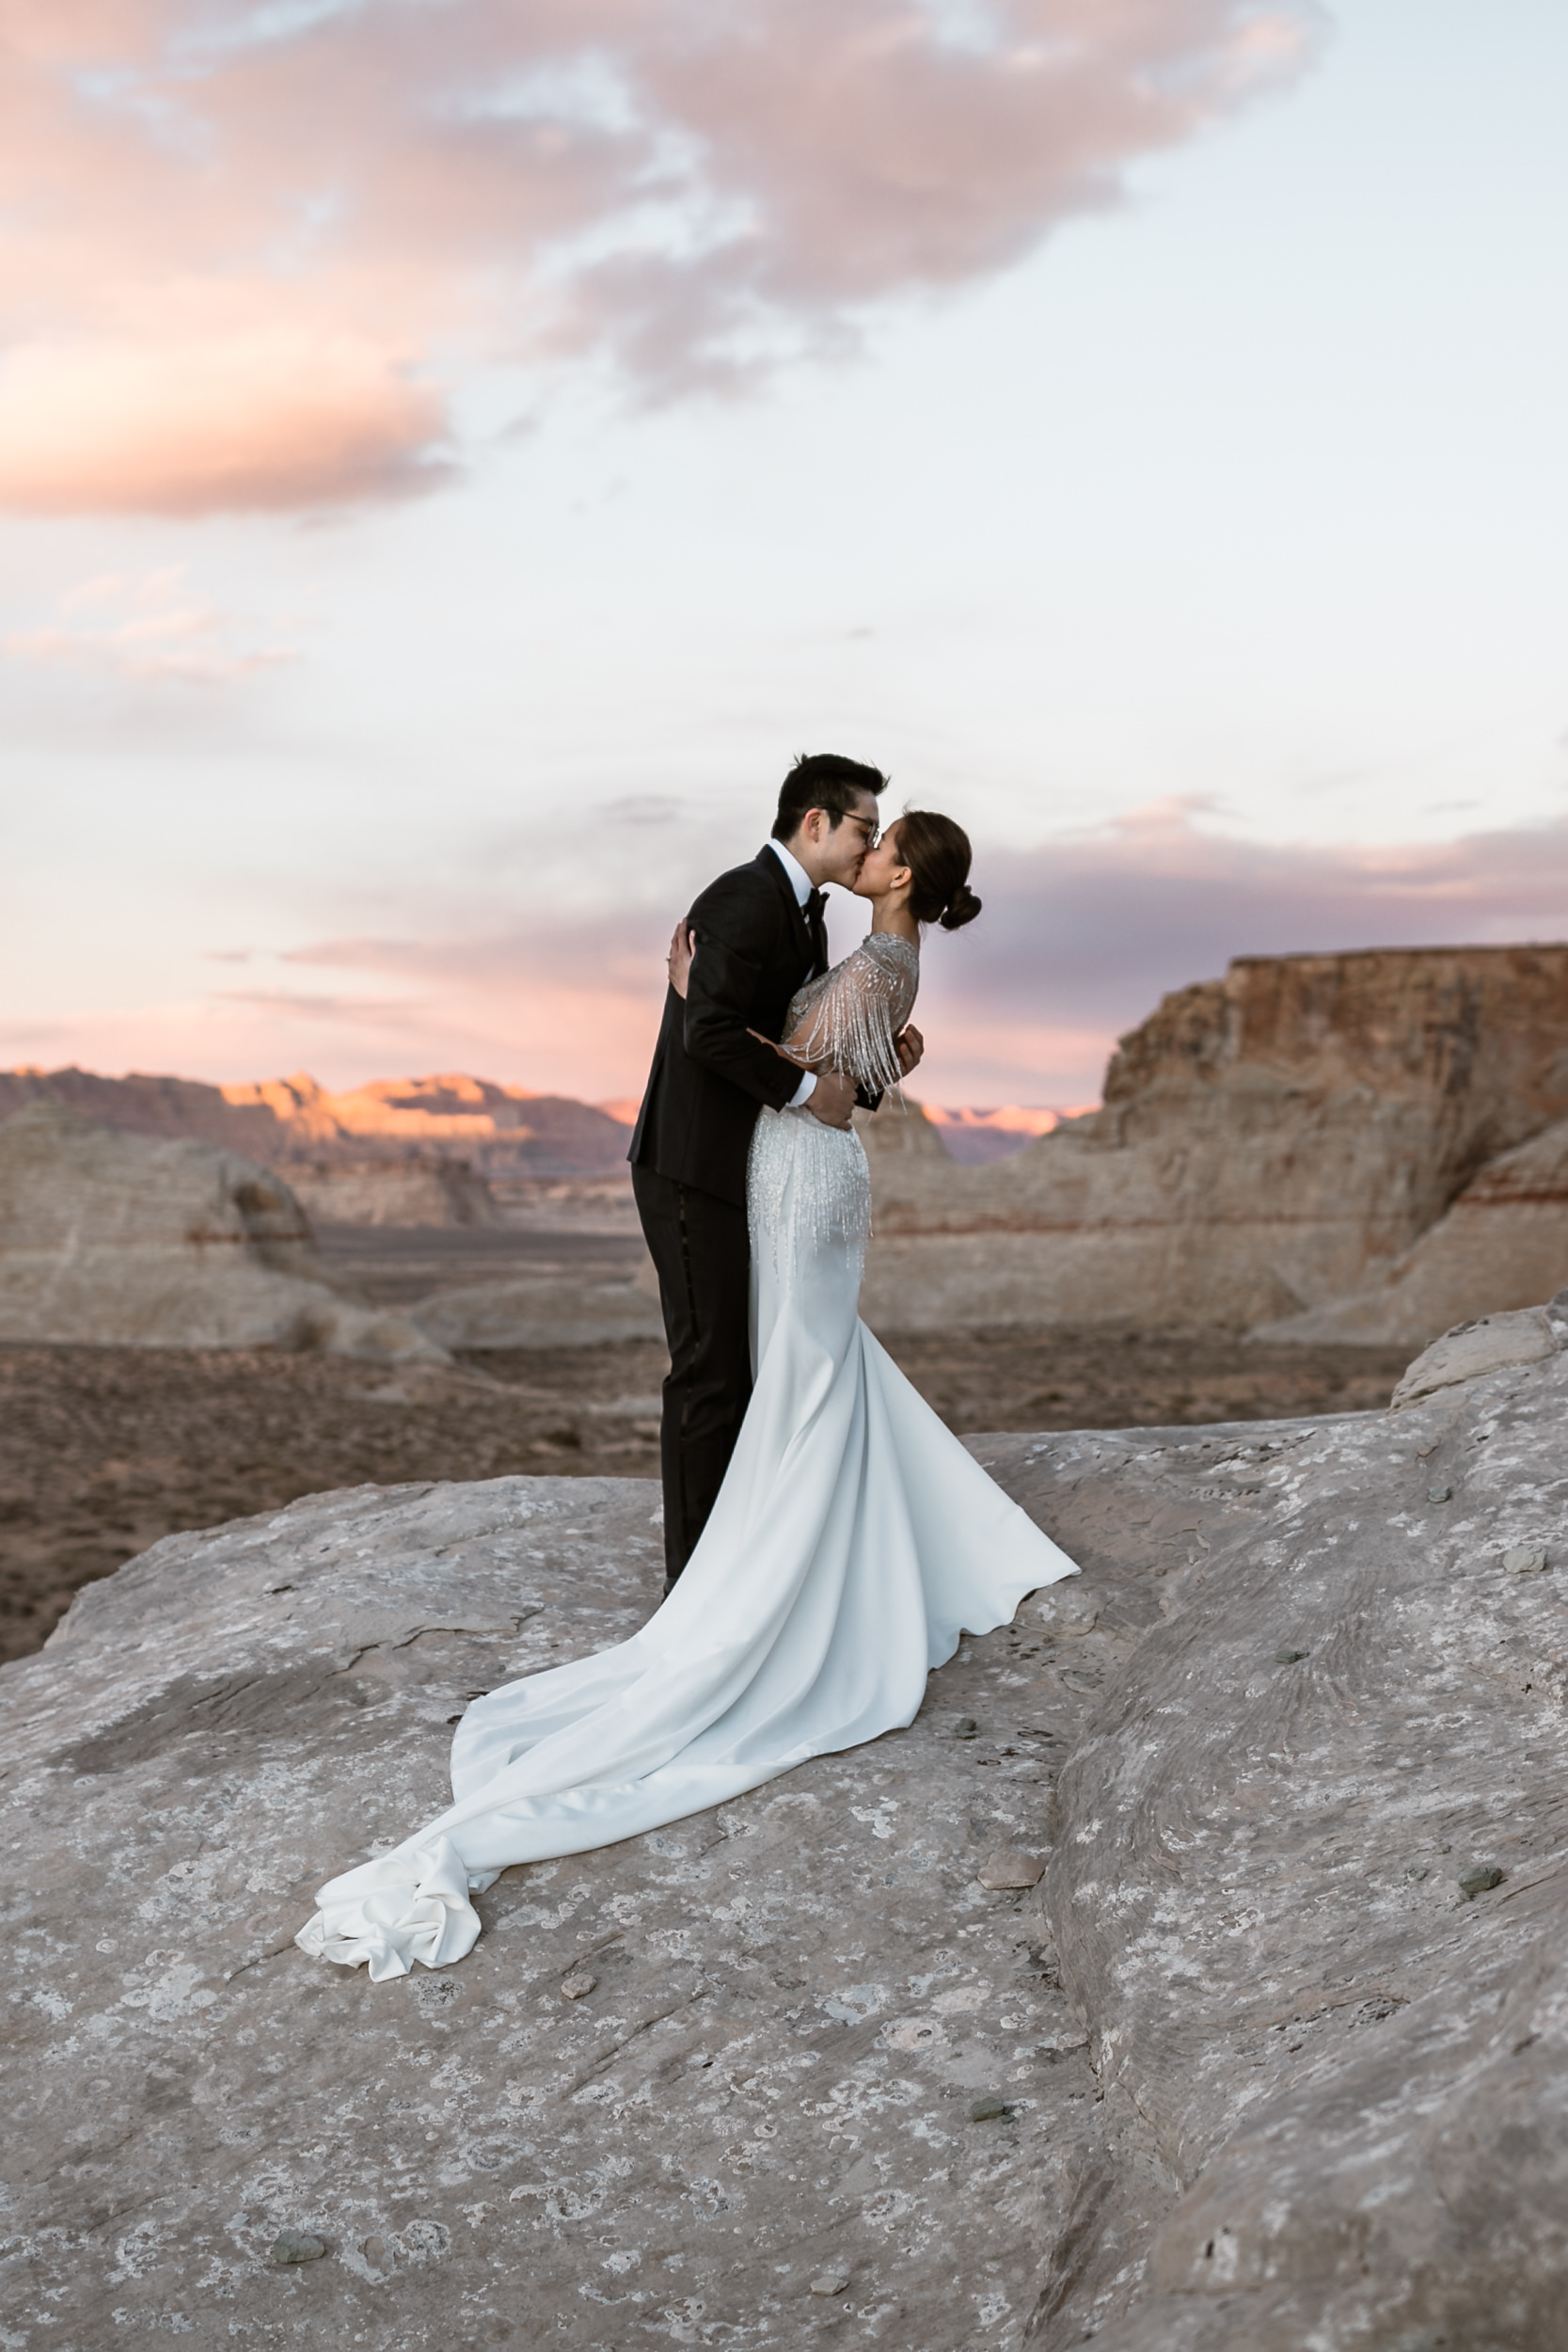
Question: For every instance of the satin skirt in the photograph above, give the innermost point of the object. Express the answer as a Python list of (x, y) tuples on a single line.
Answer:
[(853, 1540)]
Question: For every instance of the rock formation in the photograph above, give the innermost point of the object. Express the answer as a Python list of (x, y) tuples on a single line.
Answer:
[(416, 1189), (1267, 1142), (501, 1131), (1504, 1242), (1274, 2057), (119, 1239)]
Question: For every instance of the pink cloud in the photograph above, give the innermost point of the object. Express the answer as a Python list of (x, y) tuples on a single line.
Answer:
[(238, 237), (151, 628), (278, 418)]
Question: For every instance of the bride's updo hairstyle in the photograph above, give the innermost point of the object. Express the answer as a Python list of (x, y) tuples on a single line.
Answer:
[(937, 853)]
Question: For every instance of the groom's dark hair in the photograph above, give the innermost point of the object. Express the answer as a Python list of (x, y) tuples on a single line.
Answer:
[(823, 780)]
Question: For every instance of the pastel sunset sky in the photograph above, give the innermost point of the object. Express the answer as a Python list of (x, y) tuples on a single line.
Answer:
[(454, 453)]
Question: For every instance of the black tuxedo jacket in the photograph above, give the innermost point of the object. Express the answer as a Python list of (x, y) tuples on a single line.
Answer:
[(708, 1078)]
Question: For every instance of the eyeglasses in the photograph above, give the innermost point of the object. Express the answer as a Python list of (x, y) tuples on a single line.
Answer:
[(870, 833)]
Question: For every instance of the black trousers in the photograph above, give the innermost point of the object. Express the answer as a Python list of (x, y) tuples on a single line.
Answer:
[(700, 1249)]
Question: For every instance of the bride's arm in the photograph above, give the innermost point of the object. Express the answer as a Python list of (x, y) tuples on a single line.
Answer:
[(850, 1026), (789, 1051)]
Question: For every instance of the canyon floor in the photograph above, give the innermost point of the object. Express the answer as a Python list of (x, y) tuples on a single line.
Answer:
[(105, 1450)]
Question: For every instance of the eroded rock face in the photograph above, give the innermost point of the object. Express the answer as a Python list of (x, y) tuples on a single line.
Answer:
[(1269, 1142), (1249, 2070), (419, 1189), (1503, 1243), (123, 1240)]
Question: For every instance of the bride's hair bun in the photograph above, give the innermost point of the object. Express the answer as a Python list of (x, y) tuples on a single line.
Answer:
[(937, 853)]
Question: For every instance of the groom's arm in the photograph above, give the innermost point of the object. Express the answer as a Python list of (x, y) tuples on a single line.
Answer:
[(736, 932)]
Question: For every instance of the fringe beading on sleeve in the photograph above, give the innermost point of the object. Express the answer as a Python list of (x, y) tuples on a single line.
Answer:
[(857, 1010)]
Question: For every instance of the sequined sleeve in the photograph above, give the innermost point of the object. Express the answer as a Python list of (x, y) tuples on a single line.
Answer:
[(848, 1019)]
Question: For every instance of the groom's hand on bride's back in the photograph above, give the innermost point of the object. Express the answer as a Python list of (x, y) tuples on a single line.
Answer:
[(683, 947), (908, 1045), (831, 1099)]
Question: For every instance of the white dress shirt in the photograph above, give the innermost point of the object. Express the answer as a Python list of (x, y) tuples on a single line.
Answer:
[(800, 882)]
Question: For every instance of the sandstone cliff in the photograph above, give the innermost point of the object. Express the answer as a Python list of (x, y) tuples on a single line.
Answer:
[(119, 1239), (1267, 1142), (1273, 2058), (1504, 1242)]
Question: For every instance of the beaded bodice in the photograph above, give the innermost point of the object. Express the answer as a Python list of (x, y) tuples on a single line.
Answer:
[(846, 1019)]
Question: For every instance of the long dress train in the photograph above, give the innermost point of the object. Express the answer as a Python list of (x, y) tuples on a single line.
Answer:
[(852, 1541)]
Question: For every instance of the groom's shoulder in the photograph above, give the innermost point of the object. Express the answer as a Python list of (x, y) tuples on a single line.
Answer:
[(745, 888)]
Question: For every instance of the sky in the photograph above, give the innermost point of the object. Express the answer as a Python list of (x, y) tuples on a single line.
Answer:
[(454, 453)]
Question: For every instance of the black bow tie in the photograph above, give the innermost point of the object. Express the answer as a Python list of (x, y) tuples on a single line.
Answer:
[(816, 931)]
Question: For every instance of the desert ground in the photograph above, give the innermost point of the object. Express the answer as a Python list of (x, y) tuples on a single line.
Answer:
[(104, 1450)]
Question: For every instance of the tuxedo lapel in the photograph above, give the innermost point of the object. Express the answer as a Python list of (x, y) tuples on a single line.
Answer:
[(804, 940)]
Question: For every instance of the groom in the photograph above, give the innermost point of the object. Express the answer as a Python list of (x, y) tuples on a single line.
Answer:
[(762, 934)]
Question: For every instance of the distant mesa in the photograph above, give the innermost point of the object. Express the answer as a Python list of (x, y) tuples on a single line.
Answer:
[(622, 1109), (976, 1138), (451, 1149), (502, 1132), (1362, 1146)]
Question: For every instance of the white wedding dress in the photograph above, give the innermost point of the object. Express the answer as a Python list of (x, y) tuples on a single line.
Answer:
[(852, 1541)]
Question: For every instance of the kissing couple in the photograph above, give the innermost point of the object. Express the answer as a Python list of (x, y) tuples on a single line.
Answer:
[(827, 1538)]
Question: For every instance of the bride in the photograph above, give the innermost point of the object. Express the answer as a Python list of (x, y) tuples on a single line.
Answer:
[(852, 1541)]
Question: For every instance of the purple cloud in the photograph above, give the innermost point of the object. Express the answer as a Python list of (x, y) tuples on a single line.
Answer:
[(1078, 942)]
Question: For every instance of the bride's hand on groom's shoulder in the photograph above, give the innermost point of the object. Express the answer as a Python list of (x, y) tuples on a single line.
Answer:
[(910, 1045), (683, 947)]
